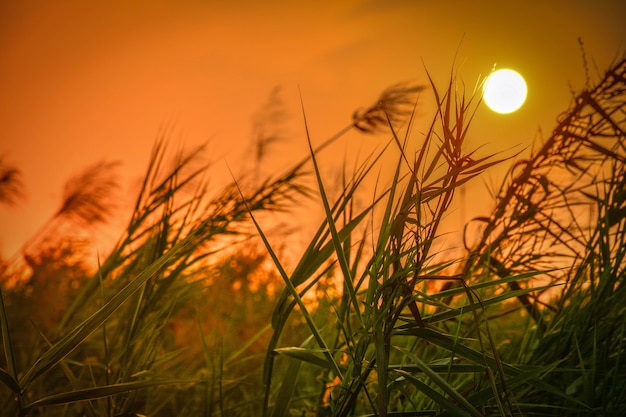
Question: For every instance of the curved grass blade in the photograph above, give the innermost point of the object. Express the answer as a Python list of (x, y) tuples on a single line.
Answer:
[(305, 355), (9, 381), (445, 387), (430, 392), (95, 393), (294, 293), (73, 339), (287, 388), (341, 255)]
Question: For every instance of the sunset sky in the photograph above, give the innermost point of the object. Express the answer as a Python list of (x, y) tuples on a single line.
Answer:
[(82, 81)]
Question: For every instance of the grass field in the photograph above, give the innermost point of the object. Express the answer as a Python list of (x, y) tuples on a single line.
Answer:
[(195, 311)]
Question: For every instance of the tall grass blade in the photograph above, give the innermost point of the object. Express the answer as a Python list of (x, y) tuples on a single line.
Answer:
[(341, 256), (73, 339), (87, 394), (287, 389), (439, 381), (9, 377), (303, 308)]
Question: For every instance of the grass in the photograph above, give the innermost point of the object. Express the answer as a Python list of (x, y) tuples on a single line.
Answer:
[(372, 319)]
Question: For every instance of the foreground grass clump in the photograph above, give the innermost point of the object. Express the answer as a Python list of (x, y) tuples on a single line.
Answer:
[(383, 350), (372, 319), (549, 257), (136, 336)]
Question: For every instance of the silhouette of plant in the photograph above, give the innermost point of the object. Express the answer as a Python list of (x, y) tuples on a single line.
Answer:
[(175, 318), (266, 125), (395, 104), (88, 200), (11, 186), (88, 196)]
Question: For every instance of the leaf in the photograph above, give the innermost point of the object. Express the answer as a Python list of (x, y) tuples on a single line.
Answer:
[(445, 403), (447, 388), (73, 339), (305, 355), (9, 381), (10, 377), (287, 388), (95, 392)]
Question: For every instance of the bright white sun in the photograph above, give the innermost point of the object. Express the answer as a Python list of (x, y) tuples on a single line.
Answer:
[(504, 91)]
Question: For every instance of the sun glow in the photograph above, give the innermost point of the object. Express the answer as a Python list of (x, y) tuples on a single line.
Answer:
[(505, 91)]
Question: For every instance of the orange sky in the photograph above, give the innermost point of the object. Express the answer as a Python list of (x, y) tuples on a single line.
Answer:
[(81, 81)]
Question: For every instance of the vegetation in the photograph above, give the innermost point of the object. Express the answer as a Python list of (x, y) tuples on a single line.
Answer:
[(189, 316)]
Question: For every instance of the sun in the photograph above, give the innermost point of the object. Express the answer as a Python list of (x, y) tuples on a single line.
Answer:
[(504, 91)]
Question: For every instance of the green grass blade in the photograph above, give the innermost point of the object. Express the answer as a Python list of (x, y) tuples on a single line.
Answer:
[(495, 301), (287, 388), (382, 362), (73, 339), (305, 355), (9, 377), (87, 394), (341, 256), (445, 387), (294, 293), (431, 393), (452, 345), (247, 344)]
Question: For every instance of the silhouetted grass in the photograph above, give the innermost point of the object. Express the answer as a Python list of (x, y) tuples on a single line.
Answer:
[(372, 319), (11, 186), (393, 346)]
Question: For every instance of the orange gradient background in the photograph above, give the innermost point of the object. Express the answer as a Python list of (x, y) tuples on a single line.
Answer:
[(83, 81)]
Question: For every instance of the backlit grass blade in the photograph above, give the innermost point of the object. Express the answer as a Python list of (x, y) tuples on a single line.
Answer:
[(287, 388), (442, 384), (492, 301), (303, 308), (294, 293), (73, 339), (341, 256), (433, 394), (305, 355), (450, 344), (87, 394)]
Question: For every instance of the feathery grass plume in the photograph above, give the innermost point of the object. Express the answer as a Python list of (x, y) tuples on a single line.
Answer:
[(88, 200), (395, 103), (267, 125), (87, 197), (11, 186), (400, 101)]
